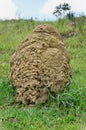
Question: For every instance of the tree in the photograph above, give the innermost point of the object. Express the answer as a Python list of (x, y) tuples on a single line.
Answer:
[(70, 15), (62, 9)]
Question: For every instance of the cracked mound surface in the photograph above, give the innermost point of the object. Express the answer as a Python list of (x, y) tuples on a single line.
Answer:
[(40, 63)]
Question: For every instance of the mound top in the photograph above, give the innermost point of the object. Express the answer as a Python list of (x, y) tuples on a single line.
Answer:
[(39, 65), (45, 28)]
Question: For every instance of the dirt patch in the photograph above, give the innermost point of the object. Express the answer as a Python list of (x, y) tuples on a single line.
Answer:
[(40, 63)]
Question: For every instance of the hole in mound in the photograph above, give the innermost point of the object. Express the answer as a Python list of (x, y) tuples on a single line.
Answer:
[(20, 102), (28, 101)]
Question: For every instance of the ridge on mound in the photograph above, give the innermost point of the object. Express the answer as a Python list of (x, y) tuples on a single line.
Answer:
[(41, 60)]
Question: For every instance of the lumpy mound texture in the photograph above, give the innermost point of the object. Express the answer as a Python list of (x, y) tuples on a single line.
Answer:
[(40, 64)]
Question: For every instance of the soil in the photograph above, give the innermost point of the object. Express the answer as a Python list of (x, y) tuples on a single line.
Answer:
[(40, 64)]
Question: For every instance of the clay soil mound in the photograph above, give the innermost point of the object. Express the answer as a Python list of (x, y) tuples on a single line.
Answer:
[(40, 64)]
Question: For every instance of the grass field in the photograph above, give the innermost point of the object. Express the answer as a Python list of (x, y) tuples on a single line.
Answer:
[(67, 111)]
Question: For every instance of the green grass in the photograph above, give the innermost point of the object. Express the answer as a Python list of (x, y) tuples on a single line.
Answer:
[(64, 111), (38, 119)]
